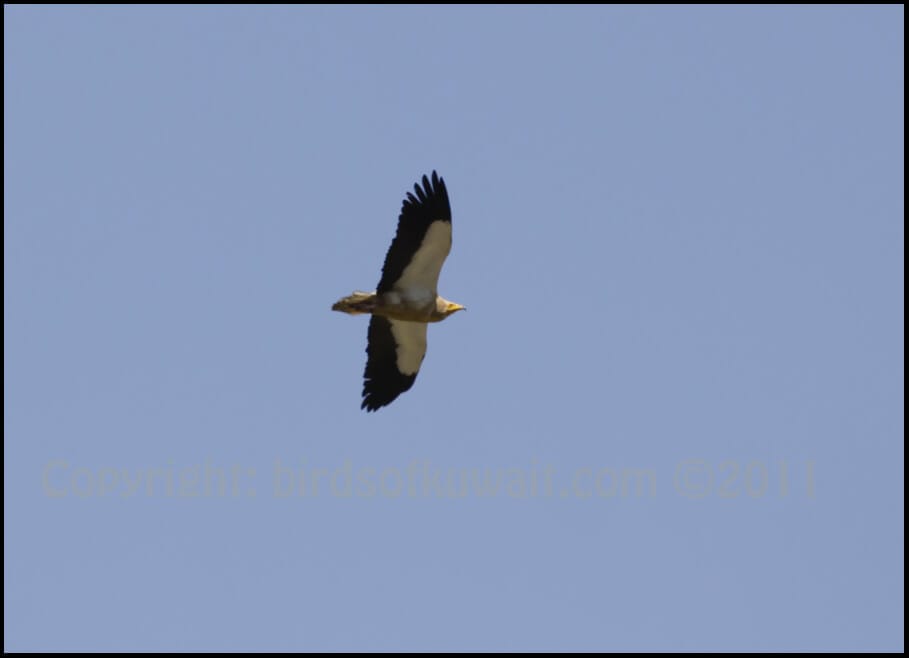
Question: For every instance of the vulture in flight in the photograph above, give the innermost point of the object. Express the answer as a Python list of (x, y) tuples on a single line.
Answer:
[(406, 299)]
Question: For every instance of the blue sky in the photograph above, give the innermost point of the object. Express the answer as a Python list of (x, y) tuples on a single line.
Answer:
[(671, 418)]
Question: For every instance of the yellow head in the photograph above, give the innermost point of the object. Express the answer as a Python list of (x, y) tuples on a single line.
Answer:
[(444, 308)]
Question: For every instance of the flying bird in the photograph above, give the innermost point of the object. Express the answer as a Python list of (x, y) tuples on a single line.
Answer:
[(406, 299)]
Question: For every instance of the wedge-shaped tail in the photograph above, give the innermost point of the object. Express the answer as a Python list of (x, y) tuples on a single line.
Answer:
[(356, 303)]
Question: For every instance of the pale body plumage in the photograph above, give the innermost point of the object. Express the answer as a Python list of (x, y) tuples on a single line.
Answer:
[(406, 298)]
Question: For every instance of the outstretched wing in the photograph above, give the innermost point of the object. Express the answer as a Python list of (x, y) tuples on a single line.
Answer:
[(423, 240), (395, 350)]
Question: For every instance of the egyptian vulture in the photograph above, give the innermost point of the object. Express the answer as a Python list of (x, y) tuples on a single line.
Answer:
[(406, 298)]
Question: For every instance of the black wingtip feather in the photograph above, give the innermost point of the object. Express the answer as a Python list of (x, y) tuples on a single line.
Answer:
[(429, 204), (382, 381)]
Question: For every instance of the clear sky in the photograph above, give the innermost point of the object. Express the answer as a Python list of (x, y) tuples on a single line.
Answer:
[(671, 417)]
